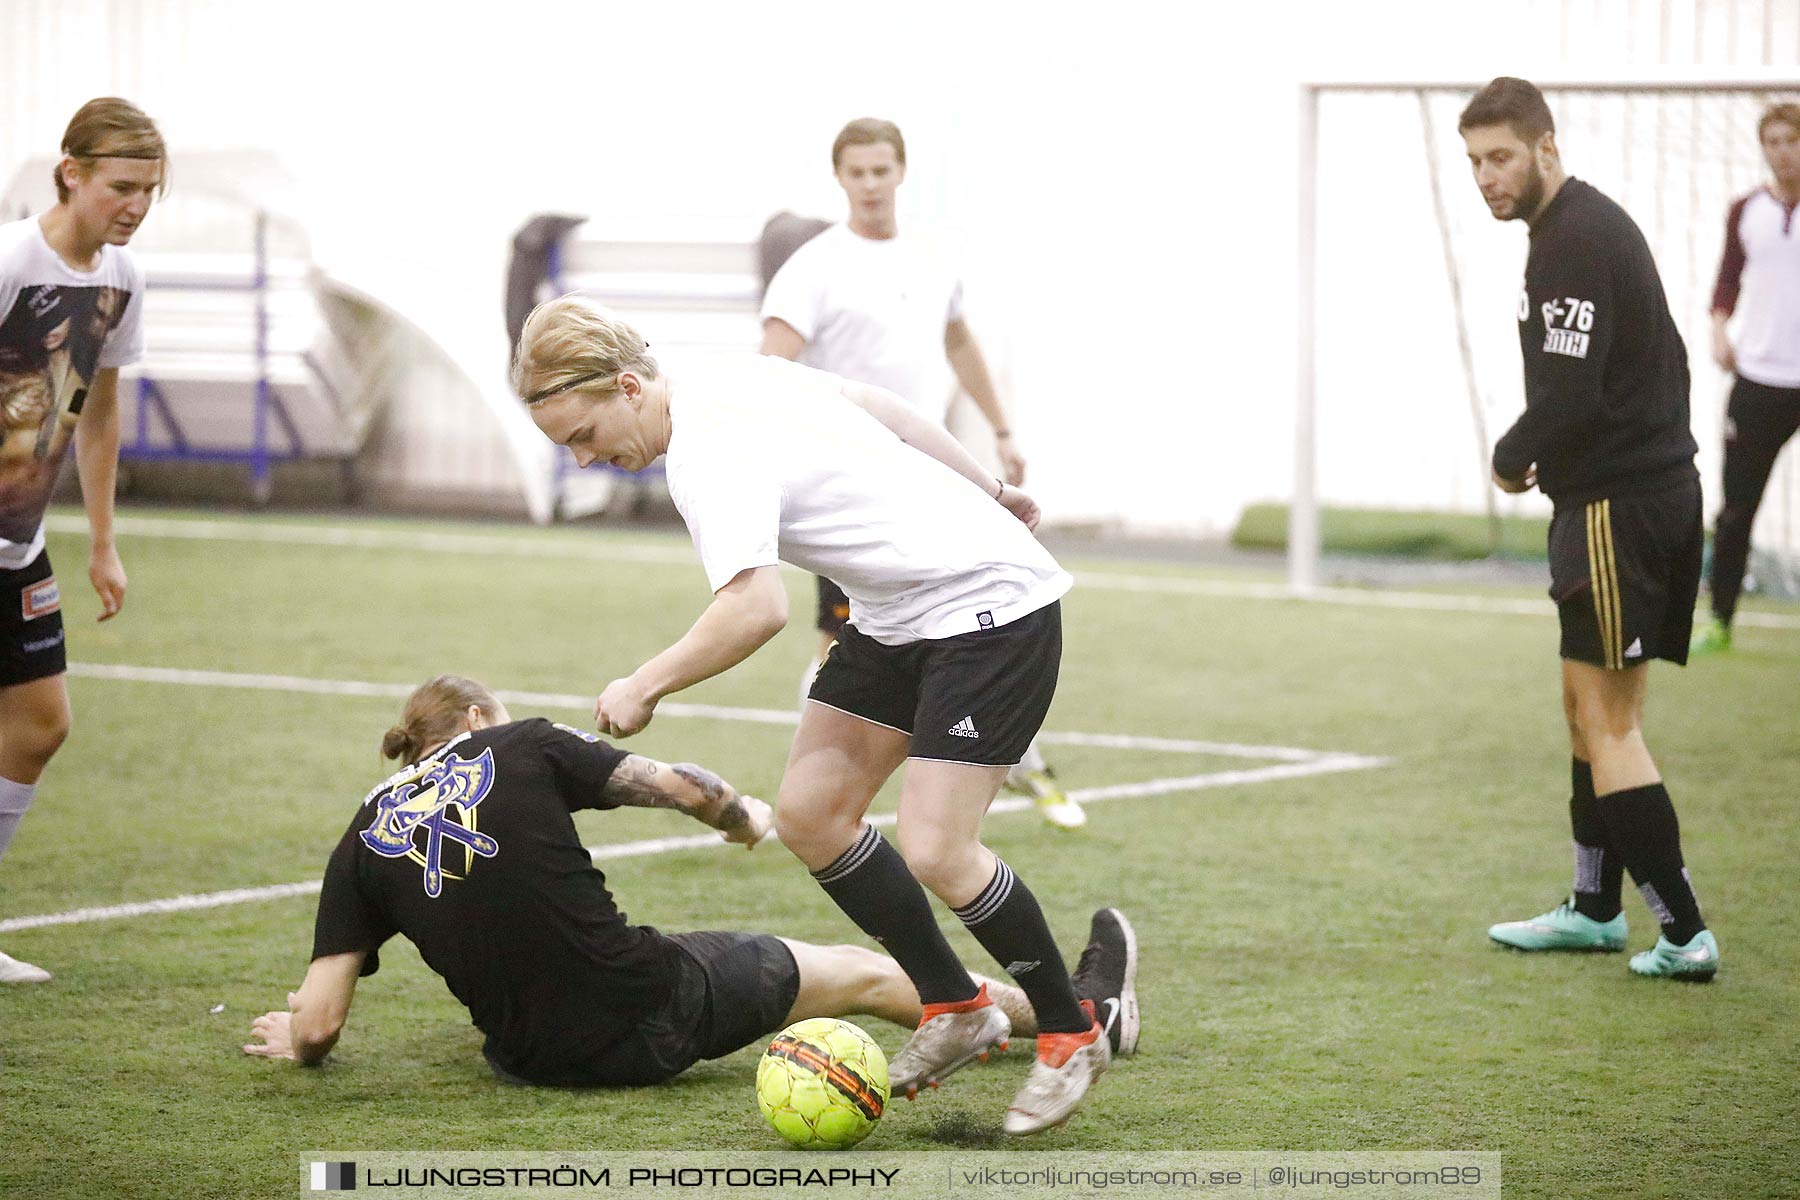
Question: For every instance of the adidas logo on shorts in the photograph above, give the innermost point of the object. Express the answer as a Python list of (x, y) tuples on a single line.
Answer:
[(964, 728)]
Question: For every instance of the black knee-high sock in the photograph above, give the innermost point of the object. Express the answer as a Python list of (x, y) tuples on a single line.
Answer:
[(1599, 868), (871, 883), (1006, 920), (1643, 826)]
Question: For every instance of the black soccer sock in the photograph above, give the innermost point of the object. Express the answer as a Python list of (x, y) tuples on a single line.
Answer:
[(1643, 826), (1599, 868), (871, 883), (1006, 920)]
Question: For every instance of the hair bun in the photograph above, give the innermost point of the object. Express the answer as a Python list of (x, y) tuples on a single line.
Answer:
[(397, 743)]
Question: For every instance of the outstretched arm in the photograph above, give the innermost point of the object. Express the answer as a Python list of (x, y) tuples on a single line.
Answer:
[(687, 787), (933, 439), (744, 614), (309, 1027), (966, 359)]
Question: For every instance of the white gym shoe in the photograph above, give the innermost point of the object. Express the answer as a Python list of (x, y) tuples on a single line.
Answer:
[(949, 1037), (14, 971), (1052, 804), (1066, 1066)]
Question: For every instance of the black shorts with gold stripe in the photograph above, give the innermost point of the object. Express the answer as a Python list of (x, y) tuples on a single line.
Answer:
[(1624, 573)]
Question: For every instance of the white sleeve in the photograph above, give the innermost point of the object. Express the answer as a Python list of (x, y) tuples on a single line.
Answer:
[(797, 292), (125, 344), (733, 512)]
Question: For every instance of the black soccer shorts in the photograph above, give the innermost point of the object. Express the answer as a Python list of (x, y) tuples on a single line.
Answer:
[(1625, 573), (834, 607), (976, 698), (731, 990), (31, 624)]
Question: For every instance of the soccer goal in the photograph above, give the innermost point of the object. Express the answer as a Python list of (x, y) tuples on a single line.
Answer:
[(1408, 354)]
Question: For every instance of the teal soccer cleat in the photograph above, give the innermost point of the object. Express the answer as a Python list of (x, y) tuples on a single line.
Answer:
[(1698, 960), (1562, 928)]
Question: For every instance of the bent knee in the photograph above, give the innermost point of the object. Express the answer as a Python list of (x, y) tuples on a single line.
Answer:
[(1598, 723), (942, 865), (816, 837), (36, 734)]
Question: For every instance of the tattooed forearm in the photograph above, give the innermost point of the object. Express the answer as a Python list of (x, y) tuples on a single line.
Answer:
[(720, 806), (640, 783)]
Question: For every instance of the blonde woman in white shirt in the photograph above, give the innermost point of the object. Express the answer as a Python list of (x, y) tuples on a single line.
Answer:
[(948, 664)]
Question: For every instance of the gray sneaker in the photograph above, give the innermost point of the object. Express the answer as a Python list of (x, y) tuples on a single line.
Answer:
[(949, 1037), (14, 971), (1065, 1068)]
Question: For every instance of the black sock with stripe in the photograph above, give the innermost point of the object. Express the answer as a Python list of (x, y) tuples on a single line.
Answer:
[(1006, 920), (874, 887), (1643, 826), (1599, 868)]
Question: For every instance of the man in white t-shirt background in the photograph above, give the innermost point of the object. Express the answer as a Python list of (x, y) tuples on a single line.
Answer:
[(861, 301), (1759, 286), (71, 305)]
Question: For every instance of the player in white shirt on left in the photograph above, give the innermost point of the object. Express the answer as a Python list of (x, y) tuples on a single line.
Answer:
[(71, 303)]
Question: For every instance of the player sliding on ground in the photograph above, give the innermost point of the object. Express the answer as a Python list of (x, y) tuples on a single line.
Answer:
[(948, 664), (471, 853)]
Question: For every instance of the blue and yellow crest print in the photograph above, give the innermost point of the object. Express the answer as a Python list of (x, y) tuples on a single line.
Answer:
[(417, 814)]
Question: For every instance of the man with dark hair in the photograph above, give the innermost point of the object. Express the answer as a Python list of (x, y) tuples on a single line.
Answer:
[(1759, 282), (1605, 436), (864, 302)]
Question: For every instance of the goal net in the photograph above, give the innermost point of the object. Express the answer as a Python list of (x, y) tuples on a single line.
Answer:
[(1408, 355)]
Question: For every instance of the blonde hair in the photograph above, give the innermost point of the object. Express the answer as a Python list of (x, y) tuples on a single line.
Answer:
[(434, 713), (111, 128), (572, 340)]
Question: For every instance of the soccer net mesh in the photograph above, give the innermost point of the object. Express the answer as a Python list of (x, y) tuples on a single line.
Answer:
[(1413, 344)]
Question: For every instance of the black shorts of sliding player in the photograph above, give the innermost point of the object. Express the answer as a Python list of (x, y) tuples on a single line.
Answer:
[(976, 698), (1624, 573), (876, 889), (729, 989), (1644, 827), (1006, 920)]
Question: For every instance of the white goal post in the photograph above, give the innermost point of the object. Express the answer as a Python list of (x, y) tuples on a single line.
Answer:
[(1407, 358)]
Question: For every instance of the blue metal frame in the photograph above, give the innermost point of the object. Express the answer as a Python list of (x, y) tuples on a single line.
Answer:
[(260, 455)]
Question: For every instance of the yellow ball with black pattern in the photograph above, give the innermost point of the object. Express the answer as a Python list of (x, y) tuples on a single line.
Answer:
[(822, 1084)]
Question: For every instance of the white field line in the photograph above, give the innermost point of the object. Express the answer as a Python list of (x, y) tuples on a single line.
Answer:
[(1321, 765), (609, 551), (762, 716)]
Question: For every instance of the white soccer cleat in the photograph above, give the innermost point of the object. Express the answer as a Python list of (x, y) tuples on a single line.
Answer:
[(1052, 805), (1065, 1068), (14, 971), (949, 1037)]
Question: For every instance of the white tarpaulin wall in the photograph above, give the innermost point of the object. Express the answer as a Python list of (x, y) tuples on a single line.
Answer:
[(1120, 183)]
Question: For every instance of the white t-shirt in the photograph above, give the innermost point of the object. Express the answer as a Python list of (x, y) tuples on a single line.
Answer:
[(768, 460), (1762, 258), (58, 328), (873, 311)]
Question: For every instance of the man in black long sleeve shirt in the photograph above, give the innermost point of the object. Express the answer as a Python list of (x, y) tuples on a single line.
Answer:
[(1605, 436)]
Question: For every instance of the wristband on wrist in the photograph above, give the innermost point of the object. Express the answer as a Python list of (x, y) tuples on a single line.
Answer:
[(1000, 434), (1001, 490)]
